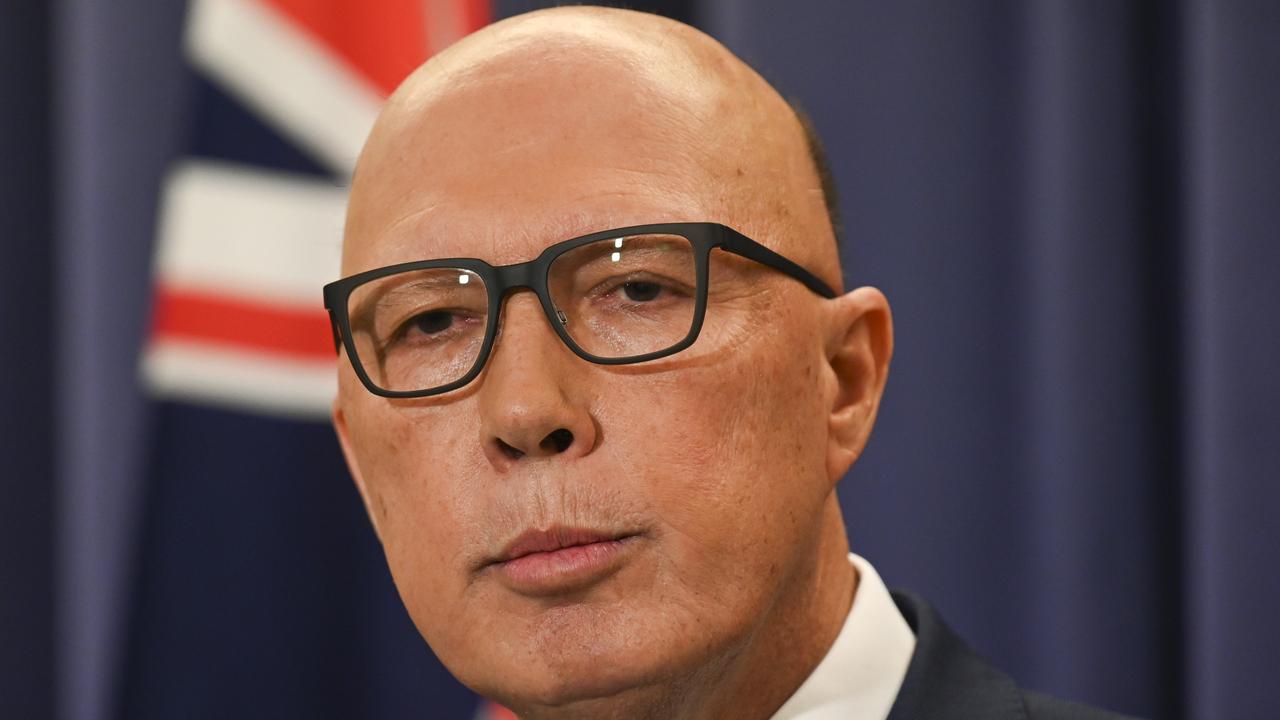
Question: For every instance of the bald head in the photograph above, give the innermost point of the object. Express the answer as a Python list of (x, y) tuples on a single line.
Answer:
[(633, 102)]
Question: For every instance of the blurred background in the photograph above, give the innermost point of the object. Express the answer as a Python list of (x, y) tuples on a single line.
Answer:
[(1072, 205)]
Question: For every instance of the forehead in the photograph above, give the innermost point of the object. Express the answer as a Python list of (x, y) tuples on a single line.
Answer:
[(496, 163), (518, 214)]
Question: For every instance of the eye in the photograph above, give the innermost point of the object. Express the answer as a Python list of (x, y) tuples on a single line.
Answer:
[(640, 291), (431, 323)]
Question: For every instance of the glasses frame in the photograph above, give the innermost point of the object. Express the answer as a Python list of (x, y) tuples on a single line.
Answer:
[(500, 280)]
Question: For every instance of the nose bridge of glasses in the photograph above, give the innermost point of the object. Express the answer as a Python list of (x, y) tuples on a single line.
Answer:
[(526, 275), (516, 276)]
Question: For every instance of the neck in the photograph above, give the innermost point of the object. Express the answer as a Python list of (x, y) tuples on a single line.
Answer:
[(760, 674), (797, 633)]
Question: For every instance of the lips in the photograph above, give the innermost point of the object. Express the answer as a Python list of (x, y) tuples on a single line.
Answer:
[(550, 540), (560, 559)]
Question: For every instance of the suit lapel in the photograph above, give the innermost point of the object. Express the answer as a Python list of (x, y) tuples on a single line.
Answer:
[(946, 679)]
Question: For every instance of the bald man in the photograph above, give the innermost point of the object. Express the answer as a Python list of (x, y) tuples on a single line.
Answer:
[(601, 379)]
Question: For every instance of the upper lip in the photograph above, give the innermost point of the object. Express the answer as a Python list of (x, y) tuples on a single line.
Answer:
[(552, 539)]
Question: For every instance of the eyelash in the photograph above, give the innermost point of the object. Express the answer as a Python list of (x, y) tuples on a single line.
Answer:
[(667, 285)]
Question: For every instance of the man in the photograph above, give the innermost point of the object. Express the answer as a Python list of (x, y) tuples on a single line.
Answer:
[(602, 378)]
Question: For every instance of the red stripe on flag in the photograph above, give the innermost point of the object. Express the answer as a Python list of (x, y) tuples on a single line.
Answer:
[(477, 14), (296, 332), (383, 41), (490, 710)]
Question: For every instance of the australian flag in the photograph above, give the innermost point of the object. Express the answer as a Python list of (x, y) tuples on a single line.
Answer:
[(261, 589)]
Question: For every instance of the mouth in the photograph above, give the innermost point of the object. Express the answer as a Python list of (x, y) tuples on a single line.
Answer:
[(560, 559)]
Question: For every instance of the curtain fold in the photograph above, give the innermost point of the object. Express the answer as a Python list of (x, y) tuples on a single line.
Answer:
[(1231, 344), (26, 374)]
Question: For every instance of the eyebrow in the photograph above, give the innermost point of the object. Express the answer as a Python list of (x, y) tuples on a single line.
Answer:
[(568, 226)]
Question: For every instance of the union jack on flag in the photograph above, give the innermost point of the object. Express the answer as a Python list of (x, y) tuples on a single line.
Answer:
[(243, 249)]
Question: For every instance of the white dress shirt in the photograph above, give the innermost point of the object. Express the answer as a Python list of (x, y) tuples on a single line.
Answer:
[(859, 677)]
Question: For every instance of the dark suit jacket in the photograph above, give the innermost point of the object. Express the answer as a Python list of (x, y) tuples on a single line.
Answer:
[(946, 680)]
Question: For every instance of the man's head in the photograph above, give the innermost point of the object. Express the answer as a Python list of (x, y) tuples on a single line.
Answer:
[(718, 464)]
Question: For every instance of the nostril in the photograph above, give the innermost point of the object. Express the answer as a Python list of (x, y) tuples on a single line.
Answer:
[(558, 440), (509, 451)]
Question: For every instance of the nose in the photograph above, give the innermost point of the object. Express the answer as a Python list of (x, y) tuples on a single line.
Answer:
[(532, 398)]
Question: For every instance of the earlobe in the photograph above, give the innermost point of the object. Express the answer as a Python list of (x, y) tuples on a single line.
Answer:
[(859, 347), (340, 427)]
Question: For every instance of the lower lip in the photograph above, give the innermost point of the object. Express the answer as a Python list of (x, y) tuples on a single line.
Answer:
[(570, 568)]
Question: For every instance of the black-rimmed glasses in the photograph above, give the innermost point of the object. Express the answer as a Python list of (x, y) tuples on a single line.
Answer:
[(614, 297)]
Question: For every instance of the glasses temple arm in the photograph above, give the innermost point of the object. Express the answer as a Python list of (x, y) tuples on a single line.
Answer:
[(739, 244)]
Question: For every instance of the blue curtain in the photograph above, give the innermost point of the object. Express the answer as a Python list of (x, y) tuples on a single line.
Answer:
[(1071, 206), (26, 365)]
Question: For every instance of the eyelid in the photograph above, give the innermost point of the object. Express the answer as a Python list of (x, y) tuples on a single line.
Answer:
[(379, 298), (618, 281), (402, 327)]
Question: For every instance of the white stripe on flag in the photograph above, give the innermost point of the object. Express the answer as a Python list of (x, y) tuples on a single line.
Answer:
[(240, 379), (292, 80), (262, 240), (267, 237)]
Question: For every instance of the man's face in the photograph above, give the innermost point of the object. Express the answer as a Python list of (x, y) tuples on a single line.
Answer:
[(710, 463)]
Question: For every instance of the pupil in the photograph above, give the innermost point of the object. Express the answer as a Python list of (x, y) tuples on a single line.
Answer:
[(641, 291), (433, 322)]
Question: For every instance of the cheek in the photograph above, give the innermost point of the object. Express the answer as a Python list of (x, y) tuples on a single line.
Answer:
[(734, 461), (405, 458), (416, 470)]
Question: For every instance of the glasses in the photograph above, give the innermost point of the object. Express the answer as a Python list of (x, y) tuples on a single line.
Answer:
[(614, 297)]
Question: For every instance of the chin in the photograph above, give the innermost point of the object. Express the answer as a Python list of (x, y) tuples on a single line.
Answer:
[(590, 687), (570, 662), (583, 690)]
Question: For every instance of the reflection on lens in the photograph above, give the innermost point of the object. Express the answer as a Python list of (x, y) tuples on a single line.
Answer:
[(626, 296), (421, 329)]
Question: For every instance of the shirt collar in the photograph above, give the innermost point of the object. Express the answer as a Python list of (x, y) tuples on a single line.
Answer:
[(860, 675)]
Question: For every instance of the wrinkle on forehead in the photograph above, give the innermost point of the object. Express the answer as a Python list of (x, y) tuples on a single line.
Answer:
[(424, 236)]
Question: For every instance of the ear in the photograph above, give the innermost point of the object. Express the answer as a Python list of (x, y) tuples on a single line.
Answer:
[(344, 440), (858, 348)]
